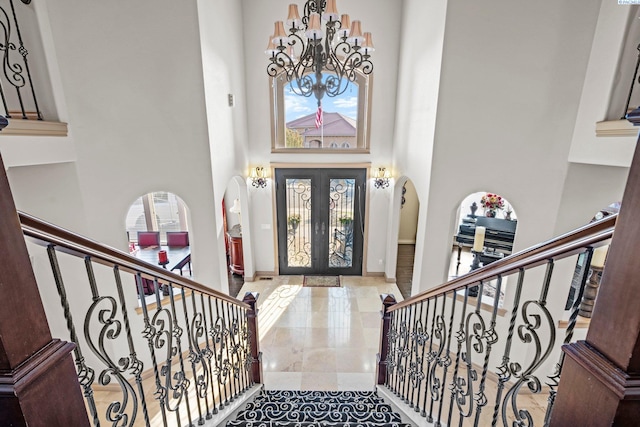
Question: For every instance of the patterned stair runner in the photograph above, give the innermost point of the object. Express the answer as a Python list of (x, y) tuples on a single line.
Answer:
[(283, 408)]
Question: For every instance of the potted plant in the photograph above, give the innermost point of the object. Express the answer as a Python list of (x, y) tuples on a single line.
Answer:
[(346, 221), (293, 221)]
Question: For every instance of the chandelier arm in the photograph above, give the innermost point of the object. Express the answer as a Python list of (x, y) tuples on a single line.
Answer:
[(279, 62), (336, 85), (303, 86)]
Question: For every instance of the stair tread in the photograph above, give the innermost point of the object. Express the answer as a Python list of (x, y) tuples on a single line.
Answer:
[(294, 408), (318, 406), (237, 423), (318, 416)]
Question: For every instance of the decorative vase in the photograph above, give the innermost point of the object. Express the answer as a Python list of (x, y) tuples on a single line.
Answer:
[(491, 213)]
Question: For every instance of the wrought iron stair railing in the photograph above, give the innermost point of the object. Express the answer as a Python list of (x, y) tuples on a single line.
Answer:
[(492, 360), (177, 361)]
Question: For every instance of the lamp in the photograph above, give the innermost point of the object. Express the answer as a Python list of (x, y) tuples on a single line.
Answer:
[(258, 178), (321, 40), (381, 178), (236, 209)]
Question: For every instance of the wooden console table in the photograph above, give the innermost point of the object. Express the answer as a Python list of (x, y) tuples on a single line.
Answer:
[(236, 263)]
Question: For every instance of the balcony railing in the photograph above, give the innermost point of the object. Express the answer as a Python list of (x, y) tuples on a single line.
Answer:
[(176, 361), (492, 360), (17, 88)]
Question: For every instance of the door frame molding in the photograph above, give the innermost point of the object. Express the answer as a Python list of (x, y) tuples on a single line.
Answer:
[(304, 165)]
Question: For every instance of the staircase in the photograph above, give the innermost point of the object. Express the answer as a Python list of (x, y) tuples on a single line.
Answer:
[(317, 408)]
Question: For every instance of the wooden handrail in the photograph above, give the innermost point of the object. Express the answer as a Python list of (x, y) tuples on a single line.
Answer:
[(44, 233), (557, 248)]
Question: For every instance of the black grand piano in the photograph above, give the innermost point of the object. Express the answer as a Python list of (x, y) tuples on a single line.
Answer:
[(499, 234)]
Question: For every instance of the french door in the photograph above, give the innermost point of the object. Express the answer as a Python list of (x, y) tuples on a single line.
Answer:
[(320, 219)]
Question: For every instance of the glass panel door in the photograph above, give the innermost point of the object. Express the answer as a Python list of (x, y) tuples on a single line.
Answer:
[(320, 218), (298, 208), (341, 214)]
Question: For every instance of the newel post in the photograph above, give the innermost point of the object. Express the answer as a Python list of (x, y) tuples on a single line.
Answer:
[(251, 298), (600, 379), (38, 381), (388, 301)]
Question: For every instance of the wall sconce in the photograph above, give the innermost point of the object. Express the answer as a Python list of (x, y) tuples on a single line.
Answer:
[(381, 178), (258, 177)]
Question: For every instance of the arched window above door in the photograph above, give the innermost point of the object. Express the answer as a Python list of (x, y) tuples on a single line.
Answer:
[(297, 126)]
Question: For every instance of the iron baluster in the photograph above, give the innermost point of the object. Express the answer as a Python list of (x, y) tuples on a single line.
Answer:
[(440, 360), (393, 345), (411, 337), (86, 374), (221, 368), (527, 334), (490, 337), (110, 329), (165, 337), (178, 331), (404, 352), (13, 72), (206, 358), (473, 333), (446, 360), (504, 373), (193, 356), (136, 365), (238, 351), (423, 412), (214, 332), (231, 353), (417, 372), (458, 384), (209, 334), (197, 331), (431, 356), (227, 362), (555, 378)]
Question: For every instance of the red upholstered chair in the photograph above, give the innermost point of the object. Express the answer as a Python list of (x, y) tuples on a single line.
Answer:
[(148, 286), (177, 238), (148, 238)]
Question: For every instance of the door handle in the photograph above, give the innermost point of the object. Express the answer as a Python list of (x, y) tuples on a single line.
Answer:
[(323, 228), (316, 228)]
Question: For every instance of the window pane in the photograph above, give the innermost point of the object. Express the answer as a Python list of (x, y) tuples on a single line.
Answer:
[(339, 124), (135, 220)]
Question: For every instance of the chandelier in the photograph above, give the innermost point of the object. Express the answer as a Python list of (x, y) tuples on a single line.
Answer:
[(338, 48)]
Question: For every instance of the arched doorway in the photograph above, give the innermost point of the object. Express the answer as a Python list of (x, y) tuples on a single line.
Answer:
[(159, 211), (485, 232)]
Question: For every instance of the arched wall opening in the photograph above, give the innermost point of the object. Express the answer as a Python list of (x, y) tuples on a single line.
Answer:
[(402, 234), (237, 234), (484, 233)]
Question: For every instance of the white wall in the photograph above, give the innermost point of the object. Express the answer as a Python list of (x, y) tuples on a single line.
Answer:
[(507, 104), (600, 81), (50, 192), (133, 83), (423, 35), (221, 27)]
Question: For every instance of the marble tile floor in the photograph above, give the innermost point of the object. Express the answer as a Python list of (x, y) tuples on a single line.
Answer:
[(319, 338)]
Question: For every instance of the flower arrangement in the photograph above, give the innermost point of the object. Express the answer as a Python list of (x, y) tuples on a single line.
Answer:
[(492, 201), (293, 220)]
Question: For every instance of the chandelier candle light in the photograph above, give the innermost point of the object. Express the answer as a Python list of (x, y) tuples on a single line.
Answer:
[(337, 47)]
